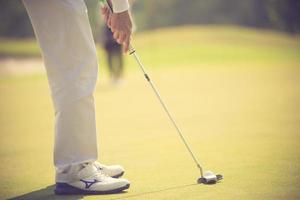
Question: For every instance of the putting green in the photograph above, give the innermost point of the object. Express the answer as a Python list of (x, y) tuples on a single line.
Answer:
[(241, 118)]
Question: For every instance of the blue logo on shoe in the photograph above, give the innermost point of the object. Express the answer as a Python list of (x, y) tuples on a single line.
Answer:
[(88, 184)]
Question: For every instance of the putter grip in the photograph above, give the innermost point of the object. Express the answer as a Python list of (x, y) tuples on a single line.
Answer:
[(106, 2)]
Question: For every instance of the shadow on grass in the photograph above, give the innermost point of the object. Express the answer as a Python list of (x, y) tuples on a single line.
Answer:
[(48, 194), (155, 191), (45, 194)]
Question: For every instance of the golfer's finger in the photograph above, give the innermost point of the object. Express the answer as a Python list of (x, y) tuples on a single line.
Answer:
[(122, 37), (126, 43), (105, 13), (104, 10), (116, 35), (108, 22)]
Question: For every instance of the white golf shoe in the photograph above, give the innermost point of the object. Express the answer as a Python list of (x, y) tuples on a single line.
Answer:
[(90, 180), (114, 171)]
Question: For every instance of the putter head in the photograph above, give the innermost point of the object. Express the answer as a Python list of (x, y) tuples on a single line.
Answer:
[(209, 178)]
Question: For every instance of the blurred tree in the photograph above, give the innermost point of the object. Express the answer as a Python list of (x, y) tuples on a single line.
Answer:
[(285, 14), (261, 17), (14, 19), (276, 14)]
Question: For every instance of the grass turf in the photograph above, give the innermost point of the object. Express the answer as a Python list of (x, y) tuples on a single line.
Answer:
[(240, 115)]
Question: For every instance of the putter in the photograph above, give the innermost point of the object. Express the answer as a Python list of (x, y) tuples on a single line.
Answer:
[(207, 177)]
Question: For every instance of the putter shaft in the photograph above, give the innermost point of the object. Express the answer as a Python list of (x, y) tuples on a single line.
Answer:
[(133, 52)]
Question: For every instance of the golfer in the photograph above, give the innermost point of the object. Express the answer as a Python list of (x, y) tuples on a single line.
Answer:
[(65, 38)]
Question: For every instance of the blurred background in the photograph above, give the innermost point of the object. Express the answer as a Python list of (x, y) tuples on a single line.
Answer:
[(228, 69), (281, 15), (256, 16)]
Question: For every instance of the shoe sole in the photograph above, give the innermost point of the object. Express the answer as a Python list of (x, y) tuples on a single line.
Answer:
[(118, 175), (66, 189)]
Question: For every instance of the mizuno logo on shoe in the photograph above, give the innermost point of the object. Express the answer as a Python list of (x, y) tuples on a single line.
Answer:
[(88, 184)]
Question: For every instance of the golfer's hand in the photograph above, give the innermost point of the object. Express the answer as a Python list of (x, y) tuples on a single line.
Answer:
[(121, 26)]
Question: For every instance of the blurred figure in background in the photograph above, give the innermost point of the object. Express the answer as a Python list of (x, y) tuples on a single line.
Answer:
[(114, 56)]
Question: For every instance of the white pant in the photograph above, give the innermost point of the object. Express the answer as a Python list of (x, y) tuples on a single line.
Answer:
[(64, 35)]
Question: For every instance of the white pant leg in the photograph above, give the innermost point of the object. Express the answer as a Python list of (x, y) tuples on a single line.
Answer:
[(64, 35)]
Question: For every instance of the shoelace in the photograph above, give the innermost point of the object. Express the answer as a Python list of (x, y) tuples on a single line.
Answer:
[(98, 165), (99, 175)]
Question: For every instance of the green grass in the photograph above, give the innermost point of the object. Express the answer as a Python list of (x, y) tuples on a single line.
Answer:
[(19, 48), (239, 110), (216, 45), (192, 45)]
